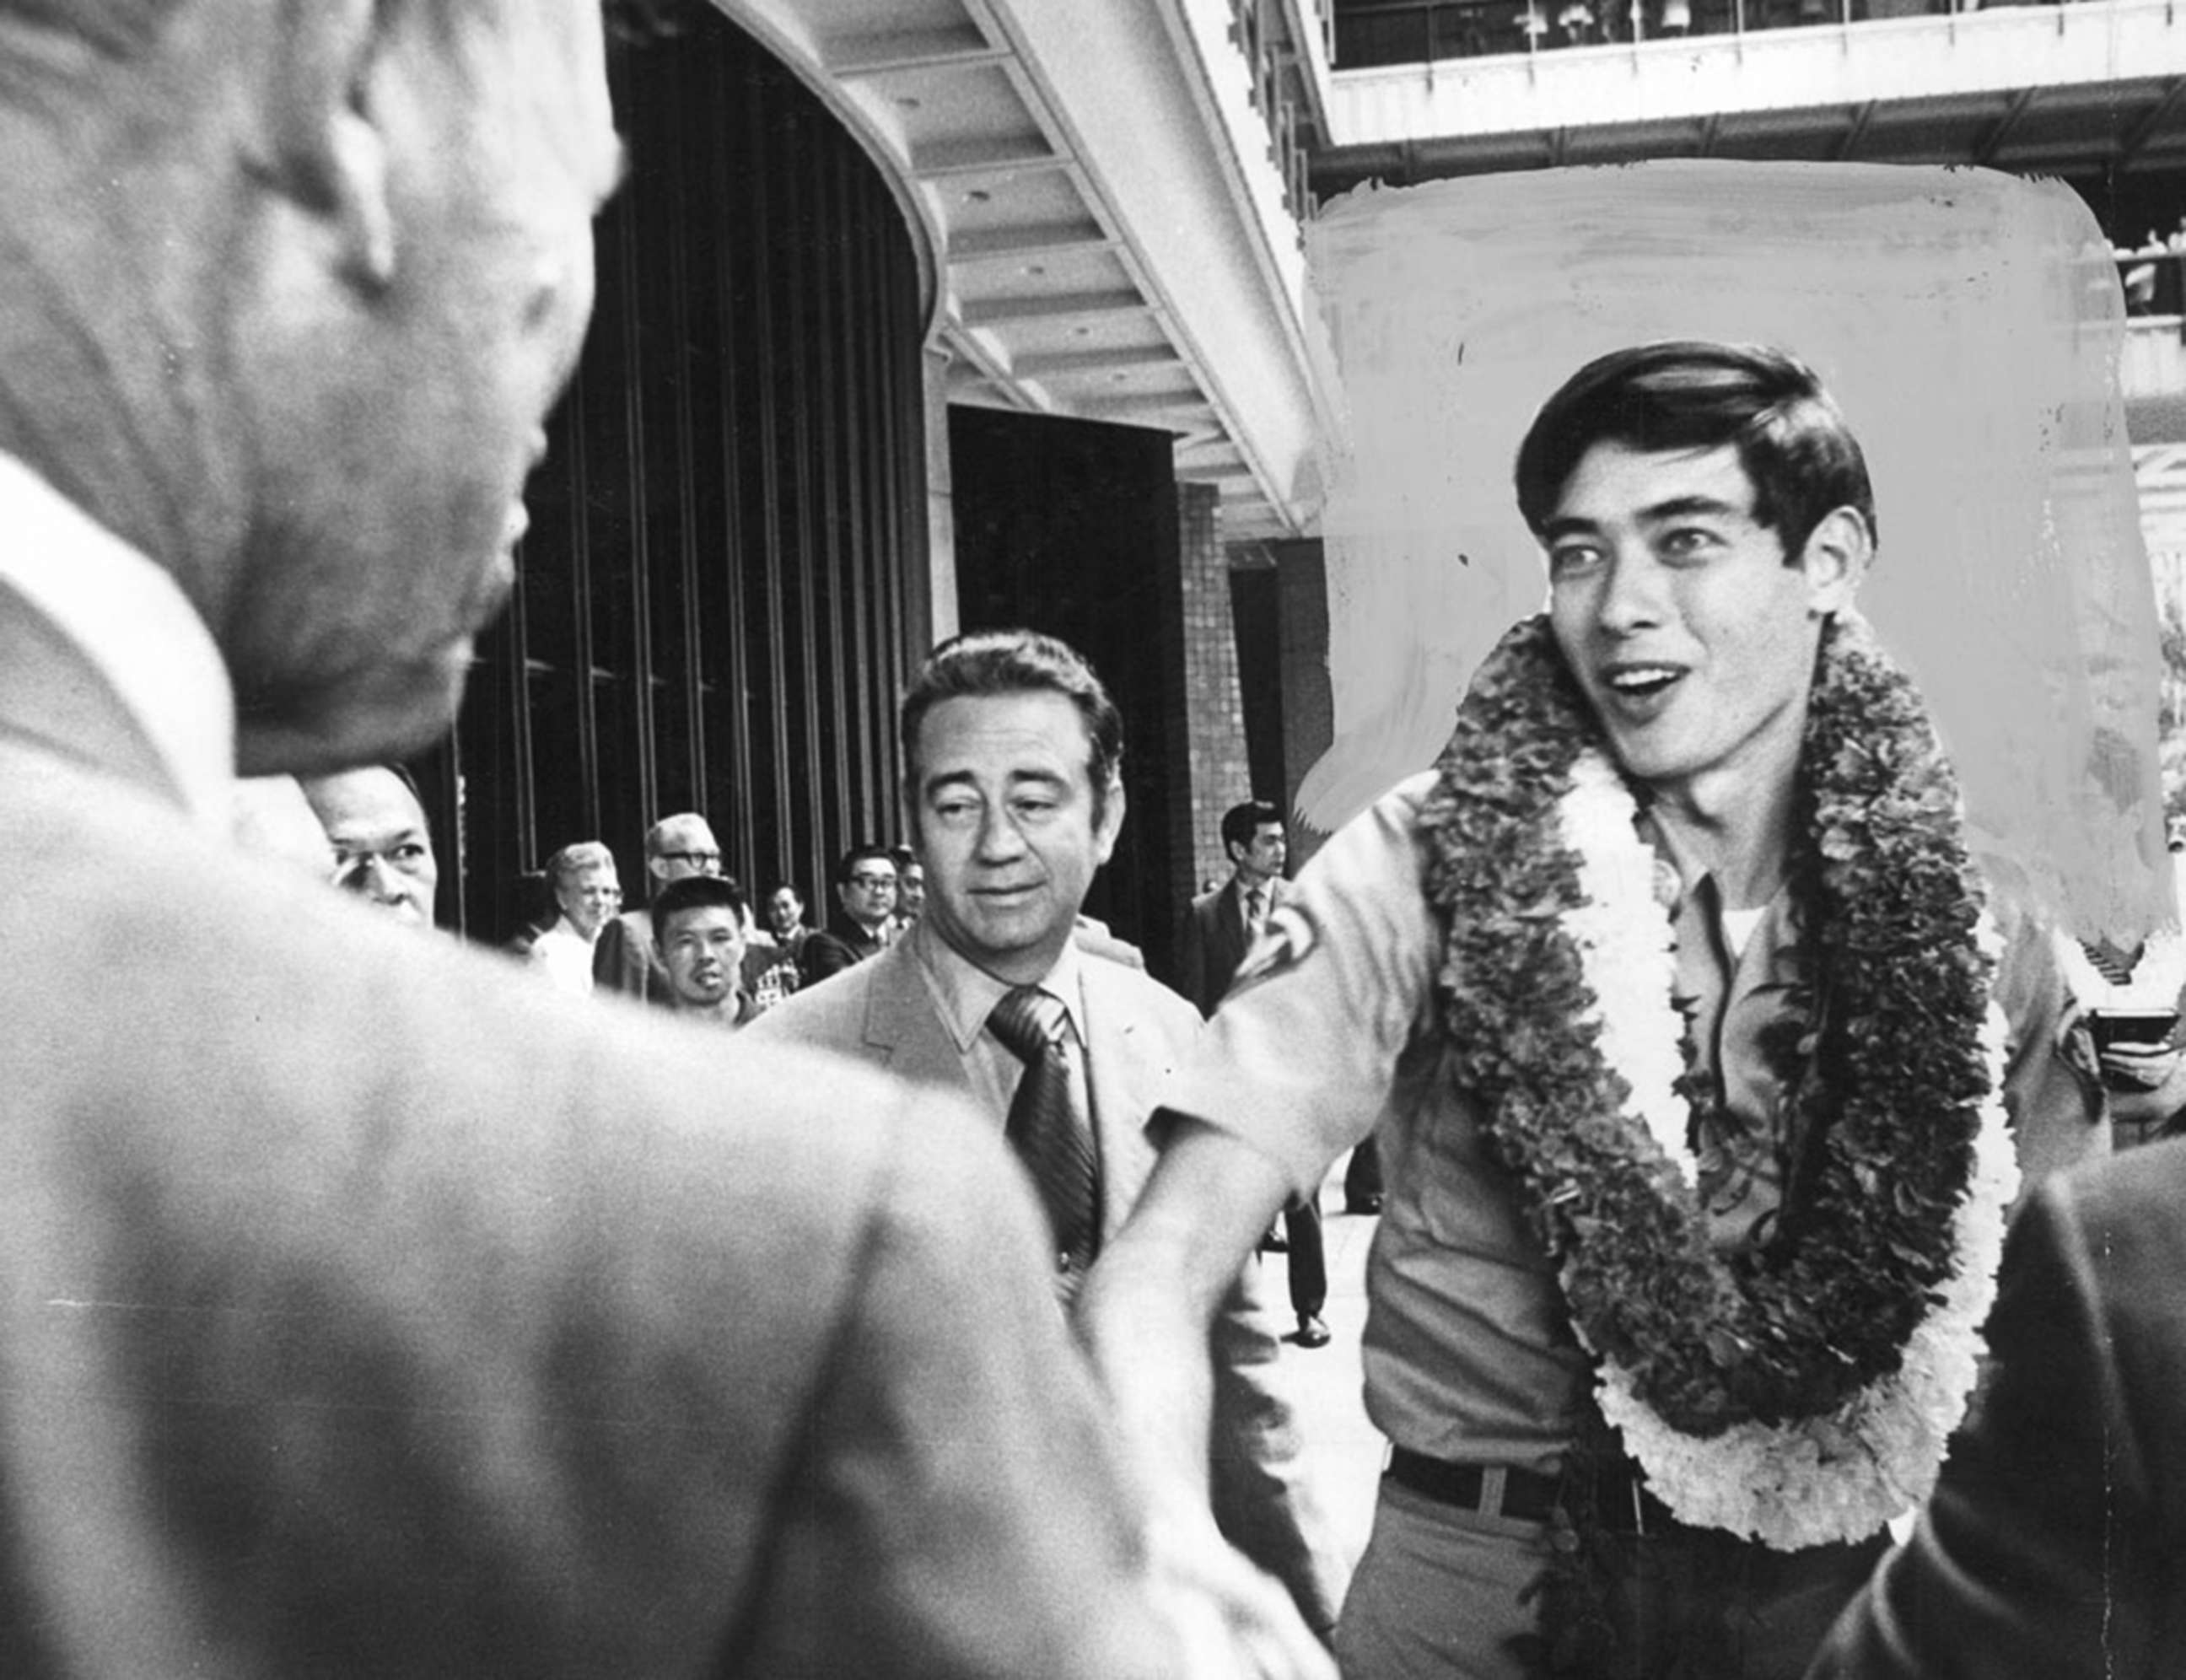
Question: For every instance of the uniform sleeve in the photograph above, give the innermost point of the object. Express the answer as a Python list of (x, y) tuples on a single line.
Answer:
[(1299, 1059), (2056, 1109), (959, 1510), (2037, 1558)]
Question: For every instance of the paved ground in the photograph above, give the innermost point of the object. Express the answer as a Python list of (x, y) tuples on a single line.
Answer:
[(1343, 1451)]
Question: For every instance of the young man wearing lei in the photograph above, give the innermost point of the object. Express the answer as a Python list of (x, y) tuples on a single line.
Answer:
[(1704, 1060)]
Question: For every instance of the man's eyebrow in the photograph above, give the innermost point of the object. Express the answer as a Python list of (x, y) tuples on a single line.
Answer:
[(1686, 507), (1673, 508)]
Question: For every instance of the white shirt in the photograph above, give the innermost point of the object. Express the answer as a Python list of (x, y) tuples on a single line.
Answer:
[(133, 624), (965, 995), (564, 957)]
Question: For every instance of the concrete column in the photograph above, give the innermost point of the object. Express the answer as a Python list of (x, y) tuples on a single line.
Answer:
[(940, 499)]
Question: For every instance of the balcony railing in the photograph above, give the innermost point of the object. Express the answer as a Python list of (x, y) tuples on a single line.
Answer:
[(1261, 29), (1420, 32)]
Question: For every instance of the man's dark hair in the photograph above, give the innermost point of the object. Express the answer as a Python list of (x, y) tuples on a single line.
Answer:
[(981, 663), (1239, 823), (694, 891), (847, 864), (1798, 452)]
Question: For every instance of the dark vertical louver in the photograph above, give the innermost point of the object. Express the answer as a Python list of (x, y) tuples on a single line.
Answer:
[(715, 602)]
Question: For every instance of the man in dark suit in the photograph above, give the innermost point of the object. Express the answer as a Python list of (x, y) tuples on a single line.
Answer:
[(624, 958), (864, 914), (368, 1311), (1014, 791), (1218, 929), (2054, 1546)]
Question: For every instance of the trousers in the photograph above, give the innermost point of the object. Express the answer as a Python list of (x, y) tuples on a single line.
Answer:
[(1438, 1596)]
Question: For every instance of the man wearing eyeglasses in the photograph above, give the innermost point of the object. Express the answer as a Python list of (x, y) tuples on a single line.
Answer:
[(625, 959), (864, 890)]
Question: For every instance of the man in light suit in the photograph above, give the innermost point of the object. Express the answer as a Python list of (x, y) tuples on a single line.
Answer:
[(2054, 1546), (1014, 792), (1218, 929), (365, 1310)]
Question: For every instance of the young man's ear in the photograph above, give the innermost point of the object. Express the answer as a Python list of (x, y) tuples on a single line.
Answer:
[(1836, 559), (319, 143)]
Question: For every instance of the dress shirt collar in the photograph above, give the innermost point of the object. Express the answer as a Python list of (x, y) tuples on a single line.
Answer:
[(966, 993), (130, 621)]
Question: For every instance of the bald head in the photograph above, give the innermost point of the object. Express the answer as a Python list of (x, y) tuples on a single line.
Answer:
[(681, 845), (287, 289)]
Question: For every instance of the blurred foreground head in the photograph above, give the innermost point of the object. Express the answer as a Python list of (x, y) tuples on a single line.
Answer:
[(287, 289)]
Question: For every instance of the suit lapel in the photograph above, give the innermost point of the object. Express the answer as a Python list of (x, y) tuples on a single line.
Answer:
[(1118, 1081), (903, 1026)]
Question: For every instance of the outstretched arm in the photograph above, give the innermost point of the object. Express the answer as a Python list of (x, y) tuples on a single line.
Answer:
[(1149, 1303), (1146, 1314)]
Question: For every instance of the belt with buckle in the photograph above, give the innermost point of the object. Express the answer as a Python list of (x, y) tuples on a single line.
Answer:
[(1622, 1502)]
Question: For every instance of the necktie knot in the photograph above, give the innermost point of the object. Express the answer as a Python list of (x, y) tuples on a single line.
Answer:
[(1025, 1020), (1048, 1129)]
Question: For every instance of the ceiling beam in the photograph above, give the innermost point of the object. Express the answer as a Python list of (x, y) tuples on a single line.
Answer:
[(995, 311), (1147, 410), (854, 56), (1034, 239), (995, 156), (1040, 363)]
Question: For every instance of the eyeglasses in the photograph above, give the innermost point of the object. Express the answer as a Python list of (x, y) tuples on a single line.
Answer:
[(872, 882), (696, 859)]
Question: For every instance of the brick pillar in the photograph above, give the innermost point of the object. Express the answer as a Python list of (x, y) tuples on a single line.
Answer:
[(1217, 773)]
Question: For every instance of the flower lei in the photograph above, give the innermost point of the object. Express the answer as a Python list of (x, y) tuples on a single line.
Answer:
[(1802, 1393)]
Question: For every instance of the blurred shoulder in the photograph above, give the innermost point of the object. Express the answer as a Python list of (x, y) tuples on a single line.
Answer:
[(831, 1009)]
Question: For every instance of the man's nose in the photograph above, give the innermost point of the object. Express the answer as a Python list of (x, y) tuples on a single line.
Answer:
[(371, 876), (998, 838), (1632, 592)]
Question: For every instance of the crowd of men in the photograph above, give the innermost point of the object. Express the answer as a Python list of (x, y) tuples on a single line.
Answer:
[(372, 1308)]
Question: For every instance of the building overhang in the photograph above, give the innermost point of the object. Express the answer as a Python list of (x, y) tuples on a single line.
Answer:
[(1108, 234)]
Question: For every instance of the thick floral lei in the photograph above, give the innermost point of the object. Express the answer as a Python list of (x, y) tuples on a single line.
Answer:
[(1802, 1392)]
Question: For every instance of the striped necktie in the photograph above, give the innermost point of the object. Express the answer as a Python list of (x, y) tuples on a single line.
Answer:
[(1255, 896), (1048, 1134)]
